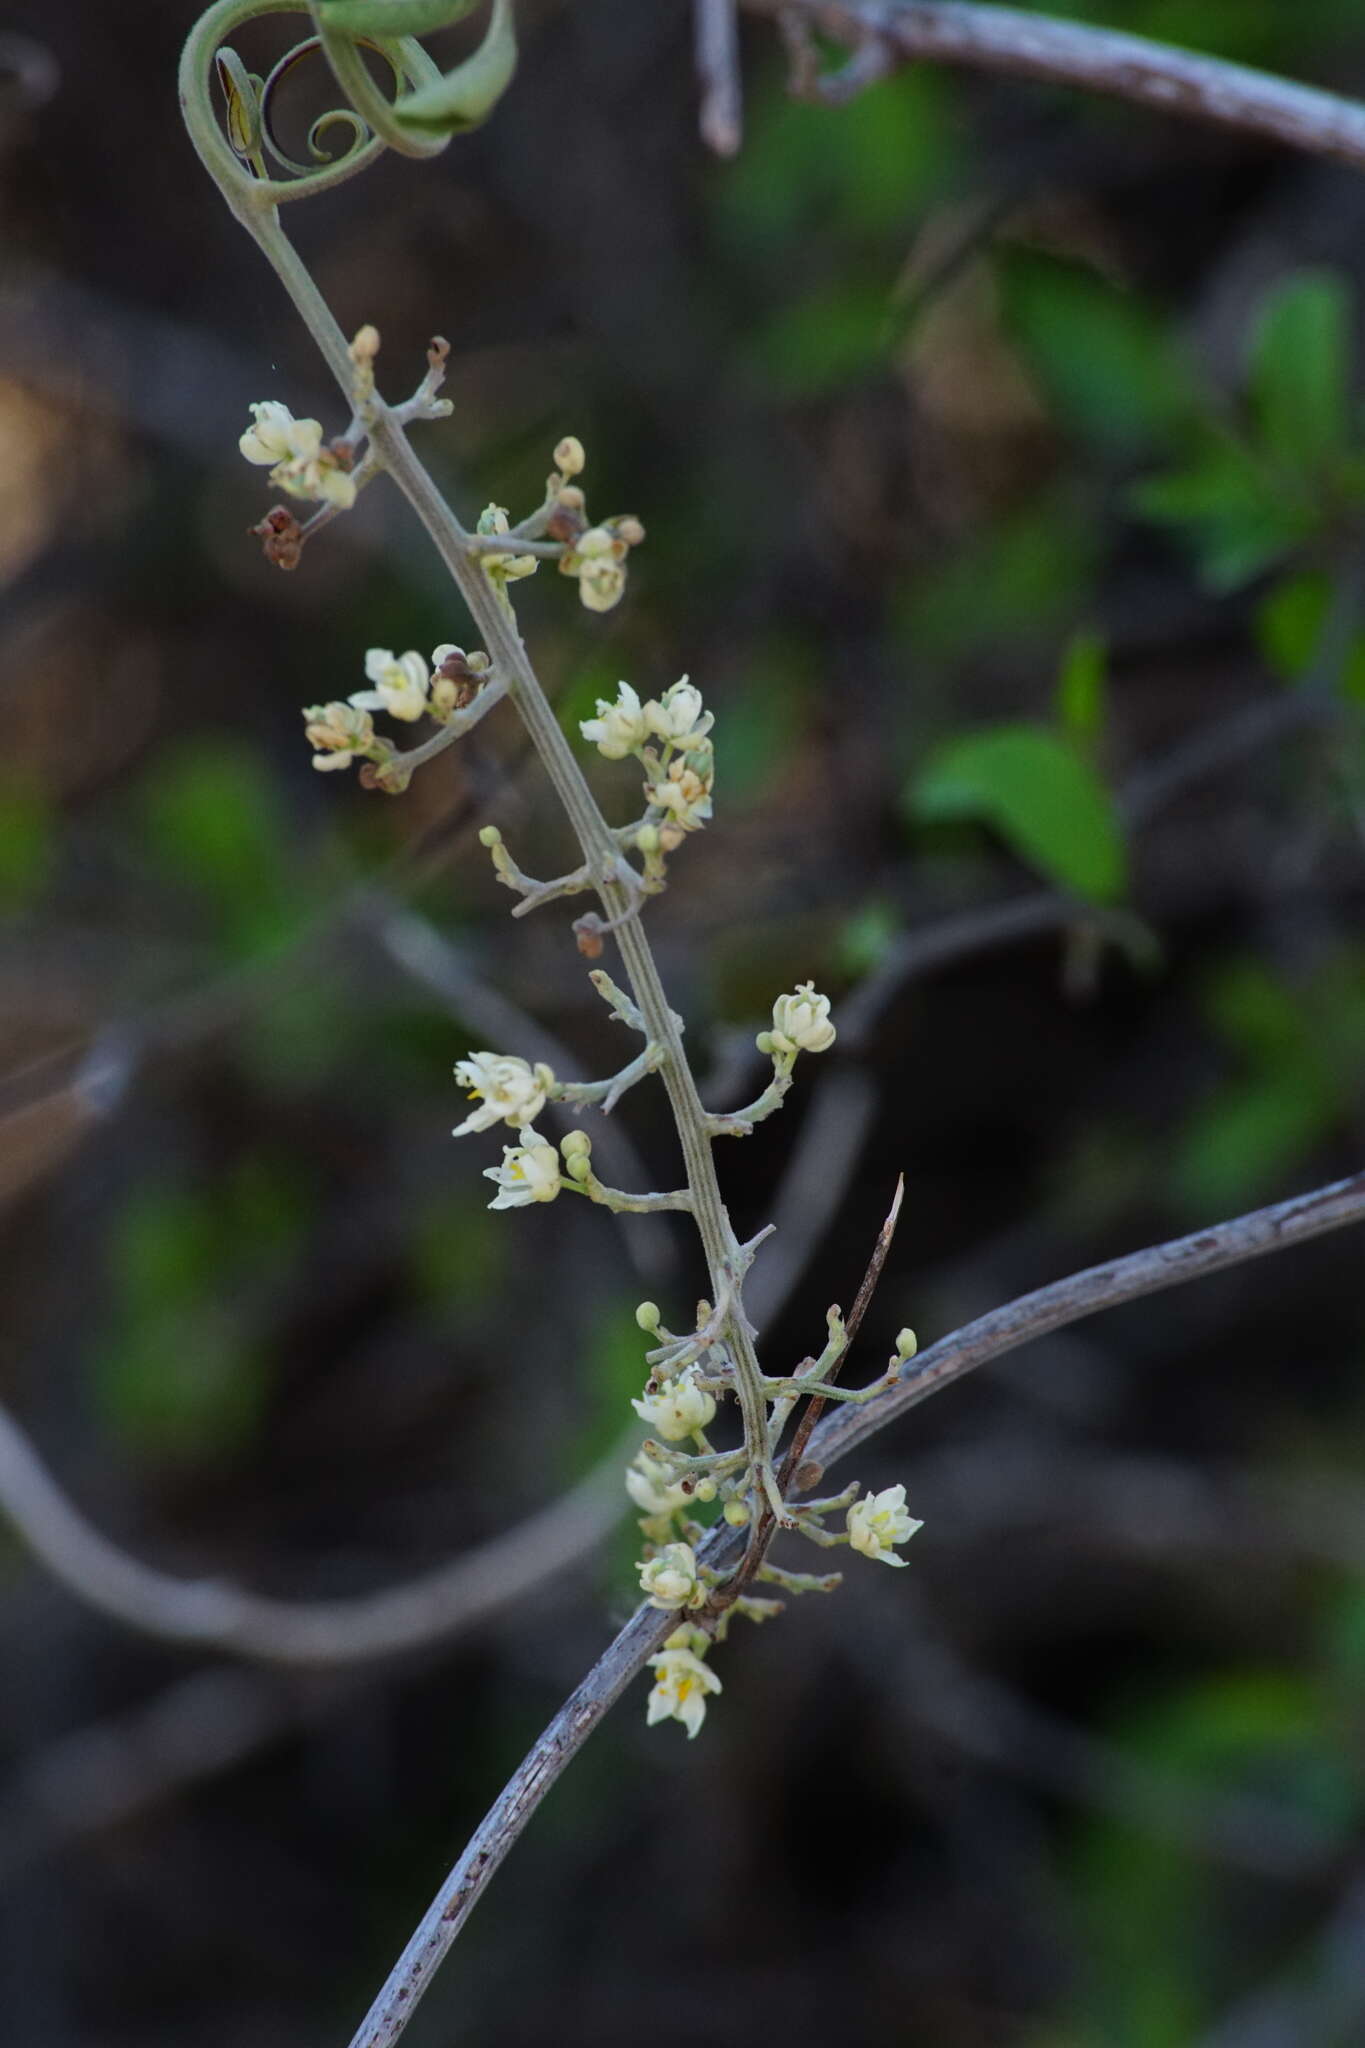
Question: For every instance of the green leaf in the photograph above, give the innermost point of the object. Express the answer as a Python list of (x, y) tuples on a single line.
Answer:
[(393, 17), (1011, 587), (1082, 688), (825, 342), (1289, 630), (1239, 516), (1035, 790), (469, 93), (213, 819), (1101, 355), (1300, 371), (864, 171)]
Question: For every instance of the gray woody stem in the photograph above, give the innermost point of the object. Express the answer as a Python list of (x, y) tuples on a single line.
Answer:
[(990, 1336), (1101, 59)]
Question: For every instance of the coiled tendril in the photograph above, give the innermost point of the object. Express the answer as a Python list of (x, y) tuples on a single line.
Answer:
[(426, 109)]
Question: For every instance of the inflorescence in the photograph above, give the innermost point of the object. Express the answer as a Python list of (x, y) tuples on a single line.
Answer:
[(678, 1470)]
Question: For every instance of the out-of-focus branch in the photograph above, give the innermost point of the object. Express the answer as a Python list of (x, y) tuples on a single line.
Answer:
[(101, 1775), (206, 1614), (1324, 2001), (1033, 1315), (883, 33), (722, 104), (927, 1685)]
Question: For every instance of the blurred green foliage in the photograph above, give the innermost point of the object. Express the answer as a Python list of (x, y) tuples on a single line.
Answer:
[(1248, 492), (1296, 1071), (1031, 786), (27, 846), (1036, 786), (1150, 1909), (178, 1370)]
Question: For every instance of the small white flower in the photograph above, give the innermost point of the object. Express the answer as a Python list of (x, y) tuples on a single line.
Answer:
[(801, 1021), (618, 728), (670, 1579), (681, 1684), (401, 683), (294, 452), (529, 1173), (678, 1409), (323, 478), (878, 1522), (683, 794), (508, 1089), (338, 732), (678, 715), (277, 436), (652, 1489), (601, 583)]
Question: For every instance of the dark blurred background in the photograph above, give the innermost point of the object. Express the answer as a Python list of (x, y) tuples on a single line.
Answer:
[(1002, 461)]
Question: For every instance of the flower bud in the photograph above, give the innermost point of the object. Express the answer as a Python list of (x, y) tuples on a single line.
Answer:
[(670, 1579), (489, 835), (737, 1514), (569, 456), (907, 1344), (647, 1316)]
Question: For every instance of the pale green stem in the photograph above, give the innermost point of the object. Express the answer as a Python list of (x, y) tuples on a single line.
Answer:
[(497, 626)]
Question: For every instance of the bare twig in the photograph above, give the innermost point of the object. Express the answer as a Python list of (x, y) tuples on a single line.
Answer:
[(1066, 1301), (1033, 1315), (722, 104), (801, 1435), (1171, 81)]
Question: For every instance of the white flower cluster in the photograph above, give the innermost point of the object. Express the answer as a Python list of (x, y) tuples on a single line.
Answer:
[(509, 1090), (407, 688), (594, 555), (670, 736), (292, 451), (664, 1484)]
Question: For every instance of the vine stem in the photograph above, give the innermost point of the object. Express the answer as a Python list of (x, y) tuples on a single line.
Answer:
[(975, 1344)]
